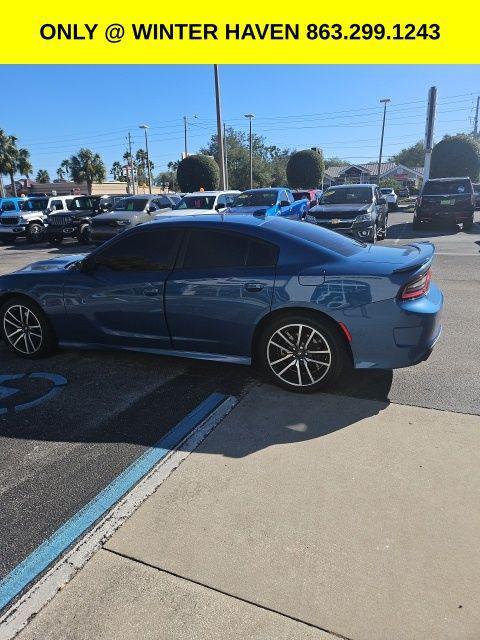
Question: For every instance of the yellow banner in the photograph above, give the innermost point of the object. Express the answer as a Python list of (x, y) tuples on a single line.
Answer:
[(243, 32)]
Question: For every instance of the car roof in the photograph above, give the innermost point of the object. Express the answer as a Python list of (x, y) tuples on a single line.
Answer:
[(450, 179), (206, 193), (214, 220), (264, 189), (14, 199), (346, 186)]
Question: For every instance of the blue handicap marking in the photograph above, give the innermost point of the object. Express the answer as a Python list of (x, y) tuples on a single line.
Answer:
[(58, 382)]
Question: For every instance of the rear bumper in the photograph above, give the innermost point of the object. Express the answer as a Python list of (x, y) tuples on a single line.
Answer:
[(439, 215), (405, 331)]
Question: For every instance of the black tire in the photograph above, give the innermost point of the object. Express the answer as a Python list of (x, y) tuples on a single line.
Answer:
[(325, 334), (14, 320), (35, 233), (468, 225), (416, 225), (55, 241), (84, 234)]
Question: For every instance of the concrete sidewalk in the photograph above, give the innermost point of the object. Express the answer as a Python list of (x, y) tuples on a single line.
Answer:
[(298, 517)]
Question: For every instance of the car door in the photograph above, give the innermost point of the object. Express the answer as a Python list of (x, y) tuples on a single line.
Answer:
[(219, 290), (118, 298)]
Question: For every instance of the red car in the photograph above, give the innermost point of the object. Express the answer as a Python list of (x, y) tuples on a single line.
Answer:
[(312, 195)]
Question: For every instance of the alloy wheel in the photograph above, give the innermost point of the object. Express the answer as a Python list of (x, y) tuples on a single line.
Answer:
[(22, 329), (299, 355)]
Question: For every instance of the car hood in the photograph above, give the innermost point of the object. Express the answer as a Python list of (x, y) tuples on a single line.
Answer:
[(52, 265), (111, 216), (338, 210)]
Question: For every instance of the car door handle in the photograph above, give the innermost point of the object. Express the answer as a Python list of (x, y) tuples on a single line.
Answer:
[(253, 286), (151, 291)]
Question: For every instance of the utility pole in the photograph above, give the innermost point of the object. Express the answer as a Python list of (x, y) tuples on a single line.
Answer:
[(385, 101), (221, 160), (250, 116), (225, 154), (132, 174), (149, 170), (2, 187), (475, 126), (429, 127), (185, 134)]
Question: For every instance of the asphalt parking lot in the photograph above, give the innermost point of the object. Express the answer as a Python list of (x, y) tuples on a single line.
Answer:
[(108, 407)]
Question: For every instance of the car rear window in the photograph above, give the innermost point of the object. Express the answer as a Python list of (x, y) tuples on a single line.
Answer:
[(447, 187), (324, 238)]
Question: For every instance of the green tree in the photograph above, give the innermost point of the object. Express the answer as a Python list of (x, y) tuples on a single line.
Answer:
[(197, 172), (63, 170), (335, 161), (42, 176), (456, 156), (390, 182), (87, 166), (141, 164), (412, 156), (24, 166), (117, 172), (305, 169), (269, 162), (9, 157)]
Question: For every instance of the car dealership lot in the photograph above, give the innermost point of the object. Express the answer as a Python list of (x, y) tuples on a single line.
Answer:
[(59, 454)]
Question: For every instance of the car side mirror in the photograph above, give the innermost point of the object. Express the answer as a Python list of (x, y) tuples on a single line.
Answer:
[(219, 206), (284, 203), (151, 208)]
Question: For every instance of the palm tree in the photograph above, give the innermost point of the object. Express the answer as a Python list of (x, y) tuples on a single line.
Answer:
[(88, 167), (8, 157), (117, 170), (42, 176), (24, 166), (64, 169)]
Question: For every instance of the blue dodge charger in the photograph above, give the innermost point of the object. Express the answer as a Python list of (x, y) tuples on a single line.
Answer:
[(302, 301)]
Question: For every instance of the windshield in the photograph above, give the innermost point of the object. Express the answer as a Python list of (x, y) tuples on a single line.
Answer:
[(256, 199), (37, 204), (386, 190), (131, 204), (349, 195), (82, 202), (450, 187), (301, 195), (196, 202)]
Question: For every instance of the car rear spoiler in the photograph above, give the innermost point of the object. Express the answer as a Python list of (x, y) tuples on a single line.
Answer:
[(422, 259)]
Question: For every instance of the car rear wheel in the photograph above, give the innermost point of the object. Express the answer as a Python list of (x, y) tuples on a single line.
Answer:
[(35, 232), (302, 353), (25, 328)]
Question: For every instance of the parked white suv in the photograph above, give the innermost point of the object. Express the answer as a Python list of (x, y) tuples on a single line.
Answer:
[(201, 202), (391, 197)]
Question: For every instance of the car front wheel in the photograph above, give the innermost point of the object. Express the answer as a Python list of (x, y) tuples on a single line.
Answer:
[(25, 328), (302, 353), (35, 232)]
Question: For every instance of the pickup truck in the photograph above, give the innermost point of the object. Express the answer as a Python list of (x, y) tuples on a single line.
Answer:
[(22, 218), (270, 202)]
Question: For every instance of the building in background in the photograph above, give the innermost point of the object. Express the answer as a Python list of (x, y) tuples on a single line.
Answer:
[(367, 173)]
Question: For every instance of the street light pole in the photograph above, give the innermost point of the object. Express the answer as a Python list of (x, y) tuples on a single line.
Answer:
[(132, 173), (149, 172), (250, 116), (221, 159), (225, 153), (185, 134), (385, 101)]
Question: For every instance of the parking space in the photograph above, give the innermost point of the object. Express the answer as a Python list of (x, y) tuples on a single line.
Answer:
[(67, 432)]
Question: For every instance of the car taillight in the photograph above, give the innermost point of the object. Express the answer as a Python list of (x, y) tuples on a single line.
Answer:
[(418, 287)]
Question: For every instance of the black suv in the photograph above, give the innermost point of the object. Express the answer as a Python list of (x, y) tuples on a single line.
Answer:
[(75, 222), (358, 210), (445, 199)]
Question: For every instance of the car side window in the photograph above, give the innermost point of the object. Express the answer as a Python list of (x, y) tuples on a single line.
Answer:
[(222, 201), (230, 200), (56, 205), (208, 248), (290, 198), (154, 250), (161, 202)]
